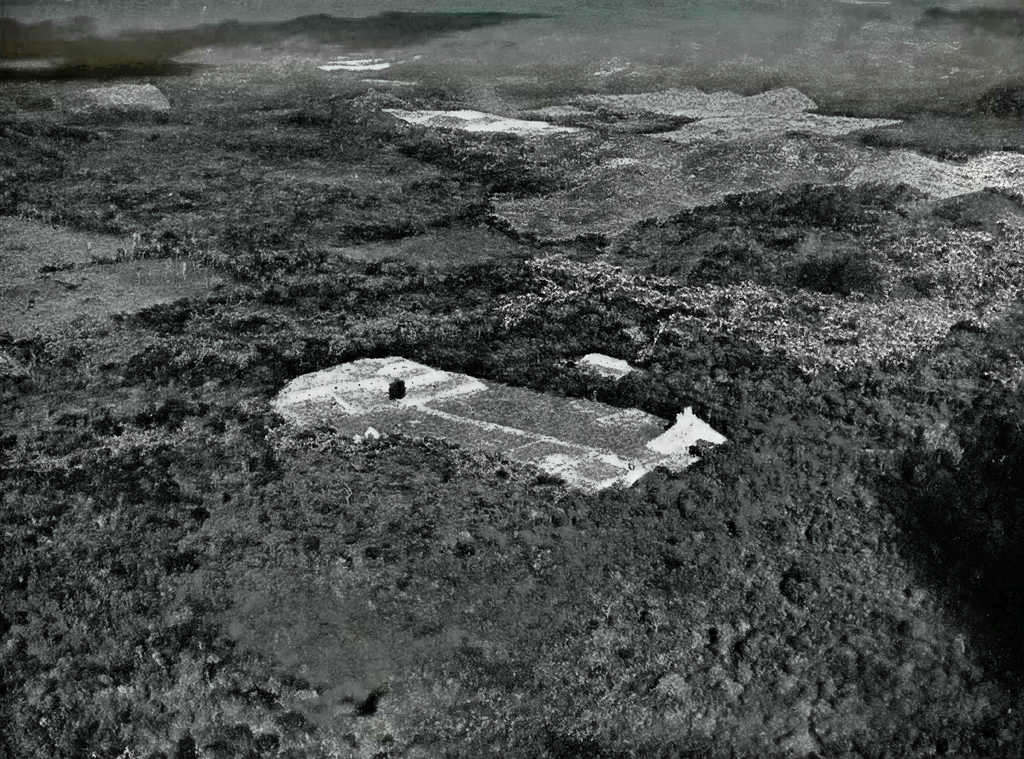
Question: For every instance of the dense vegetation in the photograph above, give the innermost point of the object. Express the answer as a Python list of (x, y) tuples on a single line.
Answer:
[(185, 576)]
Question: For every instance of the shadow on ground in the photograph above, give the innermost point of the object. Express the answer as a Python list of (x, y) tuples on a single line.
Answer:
[(961, 509)]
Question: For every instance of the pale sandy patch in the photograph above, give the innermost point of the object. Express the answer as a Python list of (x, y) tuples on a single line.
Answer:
[(694, 103), (943, 179), (474, 121), (361, 64)]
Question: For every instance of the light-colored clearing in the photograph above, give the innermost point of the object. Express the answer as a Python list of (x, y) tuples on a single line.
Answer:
[(474, 121), (590, 445)]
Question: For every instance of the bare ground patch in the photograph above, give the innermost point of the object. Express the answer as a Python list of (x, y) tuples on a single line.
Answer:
[(56, 277)]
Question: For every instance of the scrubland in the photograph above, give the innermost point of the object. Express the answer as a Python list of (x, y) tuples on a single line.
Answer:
[(183, 575)]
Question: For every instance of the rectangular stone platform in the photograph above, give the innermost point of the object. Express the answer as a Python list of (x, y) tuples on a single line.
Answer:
[(590, 445)]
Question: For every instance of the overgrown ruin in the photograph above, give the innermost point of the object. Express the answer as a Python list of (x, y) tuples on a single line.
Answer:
[(590, 445)]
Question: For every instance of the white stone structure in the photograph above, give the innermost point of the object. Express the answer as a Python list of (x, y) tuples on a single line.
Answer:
[(606, 365), (362, 387), (590, 445), (688, 430)]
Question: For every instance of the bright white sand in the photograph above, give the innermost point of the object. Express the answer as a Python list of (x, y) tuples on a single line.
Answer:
[(395, 82), (474, 121), (360, 64), (560, 110)]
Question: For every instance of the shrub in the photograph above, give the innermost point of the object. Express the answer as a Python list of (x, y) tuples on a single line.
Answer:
[(841, 274), (978, 210), (806, 204), (165, 317), (1002, 100), (396, 390)]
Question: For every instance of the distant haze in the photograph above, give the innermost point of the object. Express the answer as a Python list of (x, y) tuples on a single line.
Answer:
[(670, 16), (612, 32)]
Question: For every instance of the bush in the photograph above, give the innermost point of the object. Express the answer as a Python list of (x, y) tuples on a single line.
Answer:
[(396, 390), (807, 204), (1002, 100), (978, 210), (841, 274), (165, 317)]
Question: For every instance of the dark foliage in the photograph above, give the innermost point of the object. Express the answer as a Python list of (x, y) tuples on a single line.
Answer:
[(503, 162), (835, 206), (139, 556), (979, 210), (1002, 100), (968, 523), (165, 318), (756, 238), (840, 274), (396, 390)]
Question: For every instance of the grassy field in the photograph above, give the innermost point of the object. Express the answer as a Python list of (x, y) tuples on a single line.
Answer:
[(57, 276), (183, 575)]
